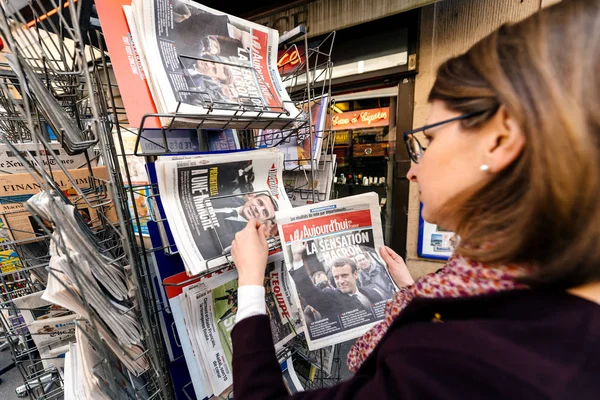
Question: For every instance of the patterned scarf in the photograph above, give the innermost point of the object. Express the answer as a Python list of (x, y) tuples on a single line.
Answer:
[(459, 278)]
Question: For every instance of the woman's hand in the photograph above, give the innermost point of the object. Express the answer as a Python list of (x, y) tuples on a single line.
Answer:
[(396, 267), (250, 251)]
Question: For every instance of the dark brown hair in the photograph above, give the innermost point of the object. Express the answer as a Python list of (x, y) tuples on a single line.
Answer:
[(340, 262), (544, 209)]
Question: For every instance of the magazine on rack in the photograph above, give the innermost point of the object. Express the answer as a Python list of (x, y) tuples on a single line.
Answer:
[(209, 309), (199, 61), (299, 144), (207, 199), (331, 251)]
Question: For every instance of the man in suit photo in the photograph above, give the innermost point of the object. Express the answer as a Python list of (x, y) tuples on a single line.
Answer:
[(373, 275), (327, 301), (233, 213), (198, 33)]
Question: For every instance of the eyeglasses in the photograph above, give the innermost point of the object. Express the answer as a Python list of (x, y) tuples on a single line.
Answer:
[(414, 147)]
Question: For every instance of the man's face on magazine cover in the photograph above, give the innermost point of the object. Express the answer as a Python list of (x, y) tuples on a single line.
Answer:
[(345, 279), (362, 262), (213, 70), (260, 207), (210, 45)]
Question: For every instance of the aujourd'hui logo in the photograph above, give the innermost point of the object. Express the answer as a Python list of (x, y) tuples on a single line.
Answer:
[(273, 182)]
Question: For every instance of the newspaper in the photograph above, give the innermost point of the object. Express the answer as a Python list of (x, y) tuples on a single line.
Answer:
[(208, 198), (88, 374), (15, 189), (210, 308), (34, 152), (331, 251), (136, 167), (51, 327), (308, 187), (290, 378), (198, 60), (85, 274), (302, 143)]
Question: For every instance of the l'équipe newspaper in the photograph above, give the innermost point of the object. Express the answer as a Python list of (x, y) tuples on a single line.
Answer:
[(209, 309), (331, 252)]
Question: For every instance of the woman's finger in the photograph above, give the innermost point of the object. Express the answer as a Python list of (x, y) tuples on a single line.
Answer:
[(385, 254), (262, 233)]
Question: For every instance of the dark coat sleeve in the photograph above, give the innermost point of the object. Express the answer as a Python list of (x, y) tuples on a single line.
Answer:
[(423, 373), (322, 300)]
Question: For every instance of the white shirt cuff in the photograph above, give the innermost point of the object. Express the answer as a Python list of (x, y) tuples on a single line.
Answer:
[(251, 301)]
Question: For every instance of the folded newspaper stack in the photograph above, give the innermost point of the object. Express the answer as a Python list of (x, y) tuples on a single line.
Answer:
[(84, 275), (87, 377), (331, 251), (52, 327), (302, 143), (208, 311), (201, 61), (208, 198), (313, 186)]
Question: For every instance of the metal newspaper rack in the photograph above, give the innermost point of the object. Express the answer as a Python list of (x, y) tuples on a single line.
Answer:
[(52, 89), (310, 81)]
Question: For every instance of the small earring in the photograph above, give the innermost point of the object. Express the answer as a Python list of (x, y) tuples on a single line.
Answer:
[(484, 167)]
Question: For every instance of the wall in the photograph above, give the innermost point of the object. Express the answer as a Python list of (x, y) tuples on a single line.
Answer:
[(324, 16), (449, 28)]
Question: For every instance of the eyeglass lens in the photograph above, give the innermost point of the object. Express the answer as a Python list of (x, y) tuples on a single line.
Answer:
[(414, 148)]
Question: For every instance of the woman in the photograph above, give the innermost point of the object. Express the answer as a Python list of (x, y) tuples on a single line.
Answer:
[(513, 166)]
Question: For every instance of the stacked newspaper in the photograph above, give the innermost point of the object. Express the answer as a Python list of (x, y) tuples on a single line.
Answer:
[(312, 186), (331, 251), (301, 144), (208, 198), (88, 281), (51, 327), (201, 61), (209, 309), (87, 377)]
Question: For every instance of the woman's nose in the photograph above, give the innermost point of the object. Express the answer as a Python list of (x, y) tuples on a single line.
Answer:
[(411, 175)]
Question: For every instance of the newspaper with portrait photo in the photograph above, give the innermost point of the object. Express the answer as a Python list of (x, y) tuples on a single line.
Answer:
[(331, 251), (209, 198), (199, 60)]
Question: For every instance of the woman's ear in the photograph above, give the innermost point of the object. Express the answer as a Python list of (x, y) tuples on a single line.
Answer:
[(505, 141)]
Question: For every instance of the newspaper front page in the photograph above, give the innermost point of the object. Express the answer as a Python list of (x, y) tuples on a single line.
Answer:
[(210, 309), (208, 60), (208, 199), (16, 189), (331, 251)]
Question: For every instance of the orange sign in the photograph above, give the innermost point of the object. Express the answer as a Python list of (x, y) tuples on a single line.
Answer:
[(361, 119), (289, 59)]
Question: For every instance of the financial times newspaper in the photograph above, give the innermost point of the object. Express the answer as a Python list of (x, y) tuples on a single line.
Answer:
[(208, 199), (331, 251), (206, 60), (210, 309)]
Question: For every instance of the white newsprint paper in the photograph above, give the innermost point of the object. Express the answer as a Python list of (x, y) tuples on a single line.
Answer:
[(331, 252), (201, 61), (209, 198)]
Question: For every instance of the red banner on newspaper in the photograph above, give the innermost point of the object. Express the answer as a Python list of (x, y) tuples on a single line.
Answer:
[(260, 58), (326, 225), (133, 86)]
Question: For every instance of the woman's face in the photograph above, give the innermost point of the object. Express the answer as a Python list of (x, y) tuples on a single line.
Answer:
[(450, 166)]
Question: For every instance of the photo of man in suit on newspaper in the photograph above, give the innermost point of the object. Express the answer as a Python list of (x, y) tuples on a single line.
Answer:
[(329, 302), (234, 212)]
